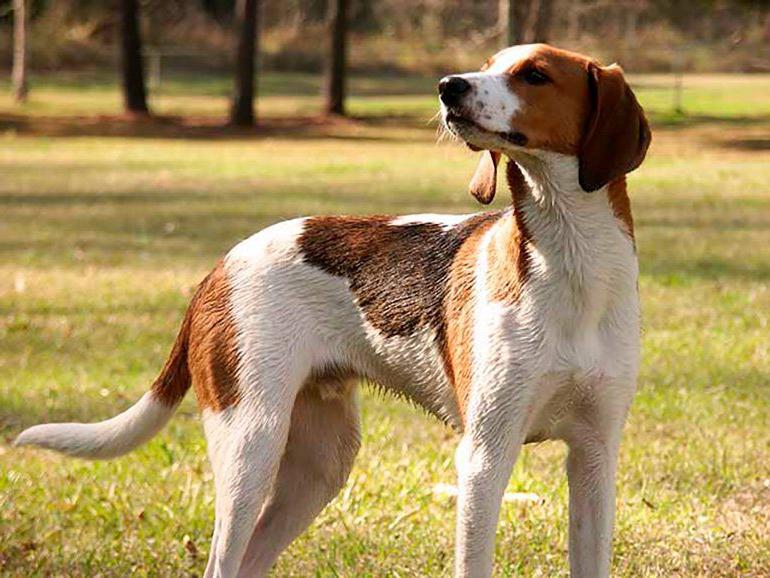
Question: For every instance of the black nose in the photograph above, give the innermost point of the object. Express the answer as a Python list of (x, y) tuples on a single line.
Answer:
[(451, 88)]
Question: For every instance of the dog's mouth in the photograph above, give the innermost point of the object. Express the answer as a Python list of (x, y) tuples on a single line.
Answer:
[(461, 126)]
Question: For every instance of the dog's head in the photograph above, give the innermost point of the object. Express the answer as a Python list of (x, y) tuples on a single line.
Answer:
[(534, 98)]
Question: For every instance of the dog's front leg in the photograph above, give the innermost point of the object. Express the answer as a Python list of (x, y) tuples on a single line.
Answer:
[(485, 457), (593, 442)]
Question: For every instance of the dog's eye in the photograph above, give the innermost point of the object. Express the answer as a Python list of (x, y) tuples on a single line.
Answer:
[(535, 77)]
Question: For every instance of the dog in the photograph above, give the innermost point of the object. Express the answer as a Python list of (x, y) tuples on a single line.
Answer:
[(512, 326)]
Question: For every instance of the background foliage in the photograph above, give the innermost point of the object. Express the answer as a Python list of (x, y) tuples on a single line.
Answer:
[(409, 35)]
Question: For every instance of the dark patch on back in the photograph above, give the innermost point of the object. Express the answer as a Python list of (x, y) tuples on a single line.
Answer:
[(398, 273)]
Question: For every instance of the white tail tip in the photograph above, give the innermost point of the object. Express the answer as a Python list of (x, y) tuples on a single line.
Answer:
[(106, 439)]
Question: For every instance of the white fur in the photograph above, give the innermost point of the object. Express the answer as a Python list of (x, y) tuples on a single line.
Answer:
[(490, 101), (508, 57), (105, 439), (562, 363), (411, 366), (445, 221)]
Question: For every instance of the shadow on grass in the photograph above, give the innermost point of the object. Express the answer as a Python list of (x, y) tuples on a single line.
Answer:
[(202, 80), (681, 271), (358, 128), (674, 120), (109, 199), (746, 144), (127, 227), (174, 127)]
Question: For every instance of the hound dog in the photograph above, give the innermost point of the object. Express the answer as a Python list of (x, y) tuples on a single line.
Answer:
[(511, 326)]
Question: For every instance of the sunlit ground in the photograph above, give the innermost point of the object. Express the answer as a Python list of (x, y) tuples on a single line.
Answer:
[(102, 239)]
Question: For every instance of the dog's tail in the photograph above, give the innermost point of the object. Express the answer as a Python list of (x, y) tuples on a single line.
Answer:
[(133, 427)]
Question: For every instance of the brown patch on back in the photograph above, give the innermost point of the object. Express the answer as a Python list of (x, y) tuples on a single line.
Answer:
[(213, 355), (404, 277), (398, 273), (621, 204)]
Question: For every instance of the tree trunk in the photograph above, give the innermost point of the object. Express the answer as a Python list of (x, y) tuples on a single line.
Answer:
[(134, 91), (336, 58), (573, 21), (506, 22), (541, 29), (19, 73), (512, 21), (242, 109), (632, 22)]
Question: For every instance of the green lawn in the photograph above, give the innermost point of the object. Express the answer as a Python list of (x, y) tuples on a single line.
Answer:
[(283, 94), (102, 239)]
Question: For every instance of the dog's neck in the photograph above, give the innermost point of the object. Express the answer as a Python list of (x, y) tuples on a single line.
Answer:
[(568, 227), (551, 180)]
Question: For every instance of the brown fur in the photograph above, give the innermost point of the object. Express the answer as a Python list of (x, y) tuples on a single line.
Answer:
[(508, 269), (397, 272), (584, 110), (213, 355), (484, 182), (204, 352), (621, 204), (553, 115), (459, 312), (507, 255), (174, 380), (617, 135)]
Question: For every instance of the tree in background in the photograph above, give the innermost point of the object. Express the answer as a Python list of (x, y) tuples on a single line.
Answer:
[(524, 21), (513, 15), (134, 91), (335, 65), (541, 25), (242, 109), (19, 84)]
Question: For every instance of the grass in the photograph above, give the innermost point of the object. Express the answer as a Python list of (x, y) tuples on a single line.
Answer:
[(102, 239), (723, 96)]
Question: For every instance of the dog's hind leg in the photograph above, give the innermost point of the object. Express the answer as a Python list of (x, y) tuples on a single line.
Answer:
[(323, 442), (246, 442)]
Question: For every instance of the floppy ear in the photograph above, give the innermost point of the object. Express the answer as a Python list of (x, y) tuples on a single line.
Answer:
[(617, 134), (484, 182)]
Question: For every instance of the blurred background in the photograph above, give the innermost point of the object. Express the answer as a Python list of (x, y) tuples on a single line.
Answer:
[(140, 140), (211, 47)]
